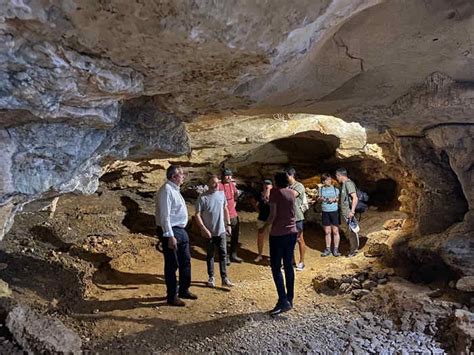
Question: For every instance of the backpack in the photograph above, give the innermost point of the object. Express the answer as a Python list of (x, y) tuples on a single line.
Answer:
[(363, 199)]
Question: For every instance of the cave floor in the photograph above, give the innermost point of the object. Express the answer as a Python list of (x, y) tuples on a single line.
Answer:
[(98, 270)]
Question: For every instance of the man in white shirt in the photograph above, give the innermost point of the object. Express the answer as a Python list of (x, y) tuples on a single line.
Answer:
[(171, 217)]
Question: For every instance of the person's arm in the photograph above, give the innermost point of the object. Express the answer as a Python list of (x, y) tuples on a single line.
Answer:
[(272, 216), (164, 199), (236, 194), (205, 232), (355, 199), (227, 219)]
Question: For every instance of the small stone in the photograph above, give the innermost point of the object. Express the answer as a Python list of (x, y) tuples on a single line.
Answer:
[(435, 293), (369, 285), (465, 284), (388, 324), (382, 281)]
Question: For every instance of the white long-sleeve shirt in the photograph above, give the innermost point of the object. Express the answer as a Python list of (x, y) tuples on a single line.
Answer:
[(171, 208)]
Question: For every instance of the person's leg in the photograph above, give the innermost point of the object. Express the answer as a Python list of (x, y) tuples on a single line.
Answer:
[(234, 240), (288, 247), (170, 267), (184, 261), (260, 237), (221, 244), (276, 255), (302, 246), (210, 257), (327, 234)]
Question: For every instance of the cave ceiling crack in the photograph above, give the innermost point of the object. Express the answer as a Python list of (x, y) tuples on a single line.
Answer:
[(341, 44)]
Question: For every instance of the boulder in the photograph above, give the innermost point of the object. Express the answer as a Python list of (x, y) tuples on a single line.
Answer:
[(41, 334)]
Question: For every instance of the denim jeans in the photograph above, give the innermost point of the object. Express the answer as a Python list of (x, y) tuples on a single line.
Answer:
[(281, 249), (221, 243), (174, 260)]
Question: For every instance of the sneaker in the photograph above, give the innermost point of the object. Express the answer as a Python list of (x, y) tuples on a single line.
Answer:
[(281, 308), (326, 252), (258, 259), (352, 253), (211, 282), (235, 259), (300, 267), (336, 252), (226, 282)]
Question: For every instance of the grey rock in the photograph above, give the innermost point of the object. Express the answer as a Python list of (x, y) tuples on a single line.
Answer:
[(38, 334)]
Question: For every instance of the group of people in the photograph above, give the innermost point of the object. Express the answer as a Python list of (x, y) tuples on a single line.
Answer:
[(281, 208)]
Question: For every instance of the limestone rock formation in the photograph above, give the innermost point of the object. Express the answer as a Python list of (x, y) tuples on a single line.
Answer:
[(86, 83)]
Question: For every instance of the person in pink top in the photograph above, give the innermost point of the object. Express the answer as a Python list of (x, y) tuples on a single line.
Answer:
[(231, 194), (283, 236)]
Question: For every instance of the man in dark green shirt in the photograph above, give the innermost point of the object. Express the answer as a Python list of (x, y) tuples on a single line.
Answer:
[(300, 208), (348, 205)]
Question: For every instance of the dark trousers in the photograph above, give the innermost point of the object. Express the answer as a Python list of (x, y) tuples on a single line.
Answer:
[(281, 248), (234, 237), (174, 260), (221, 243)]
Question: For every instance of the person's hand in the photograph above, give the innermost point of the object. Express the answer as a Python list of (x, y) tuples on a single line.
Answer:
[(350, 215), (172, 244), (228, 229)]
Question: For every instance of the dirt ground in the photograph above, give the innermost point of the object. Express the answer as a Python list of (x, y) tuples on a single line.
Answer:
[(95, 266)]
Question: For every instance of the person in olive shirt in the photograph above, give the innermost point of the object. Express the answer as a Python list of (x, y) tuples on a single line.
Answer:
[(299, 202), (348, 205)]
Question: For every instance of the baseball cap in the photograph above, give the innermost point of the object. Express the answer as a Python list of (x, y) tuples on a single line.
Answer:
[(267, 182), (227, 172), (353, 225)]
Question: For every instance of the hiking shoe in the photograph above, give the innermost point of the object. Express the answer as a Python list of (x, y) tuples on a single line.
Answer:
[(226, 282), (326, 252), (300, 267), (211, 282), (281, 308), (336, 252), (189, 295), (258, 259), (352, 253), (235, 259), (176, 302)]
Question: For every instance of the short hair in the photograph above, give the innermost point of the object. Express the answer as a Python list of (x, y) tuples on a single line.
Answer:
[(281, 180), (325, 176), (172, 171), (341, 171), (290, 171), (212, 176)]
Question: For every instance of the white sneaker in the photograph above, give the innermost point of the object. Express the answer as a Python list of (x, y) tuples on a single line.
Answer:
[(226, 282), (258, 259), (211, 282), (300, 267)]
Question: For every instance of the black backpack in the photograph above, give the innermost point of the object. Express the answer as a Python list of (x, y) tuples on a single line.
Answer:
[(363, 199)]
